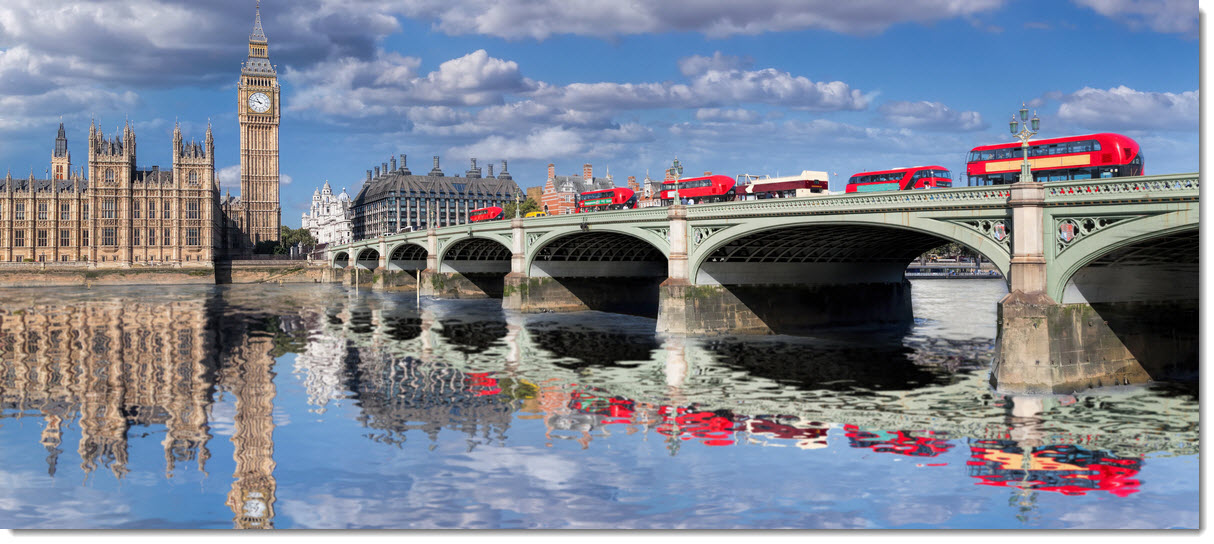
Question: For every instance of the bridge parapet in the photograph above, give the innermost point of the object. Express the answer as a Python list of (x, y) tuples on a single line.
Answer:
[(1167, 187)]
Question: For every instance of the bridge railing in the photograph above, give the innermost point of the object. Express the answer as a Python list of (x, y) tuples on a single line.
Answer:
[(1169, 186)]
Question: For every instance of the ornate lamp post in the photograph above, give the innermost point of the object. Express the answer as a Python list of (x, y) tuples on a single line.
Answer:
[(1026, 175), (516, 206)]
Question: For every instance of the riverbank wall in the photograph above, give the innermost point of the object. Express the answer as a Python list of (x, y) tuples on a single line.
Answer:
[(222, 272)]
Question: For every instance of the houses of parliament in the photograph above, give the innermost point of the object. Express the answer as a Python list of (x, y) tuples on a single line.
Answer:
[(115, 213)]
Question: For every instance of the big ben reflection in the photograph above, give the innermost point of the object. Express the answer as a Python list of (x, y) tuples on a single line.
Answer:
[(249, 377)]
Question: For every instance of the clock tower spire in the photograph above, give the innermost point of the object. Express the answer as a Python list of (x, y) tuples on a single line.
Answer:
[(260, 214)]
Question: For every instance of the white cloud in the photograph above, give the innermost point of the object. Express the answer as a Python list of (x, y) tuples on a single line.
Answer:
[(554, 142), (229, 178), (1122, 108), (714, 82), (696, 64), (389, 84), (930, 116), (1171, 16), (539, 19), (727, 115)]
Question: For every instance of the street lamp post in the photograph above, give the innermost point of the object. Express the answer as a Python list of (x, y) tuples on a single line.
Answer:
[(1026, 174)]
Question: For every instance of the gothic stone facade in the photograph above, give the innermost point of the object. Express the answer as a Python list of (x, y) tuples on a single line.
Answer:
[(120, 214)]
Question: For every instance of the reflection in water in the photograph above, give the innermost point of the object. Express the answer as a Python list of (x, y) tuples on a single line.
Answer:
[(113, 365), (471, 383)]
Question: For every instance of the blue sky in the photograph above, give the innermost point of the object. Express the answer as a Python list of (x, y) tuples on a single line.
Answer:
[(760, 87)]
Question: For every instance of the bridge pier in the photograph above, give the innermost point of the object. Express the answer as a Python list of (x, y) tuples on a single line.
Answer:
[(1042, 346), (781, 309), (1048, 348), (620, 295), (457, 285), (396, 280)]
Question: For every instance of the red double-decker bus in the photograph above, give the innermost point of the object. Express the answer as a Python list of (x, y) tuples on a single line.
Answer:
[(485, 214), (1103, 155), (699, 190), (900, 179), (605, 199)]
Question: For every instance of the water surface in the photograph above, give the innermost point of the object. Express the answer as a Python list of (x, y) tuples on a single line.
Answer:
[(321, 407)]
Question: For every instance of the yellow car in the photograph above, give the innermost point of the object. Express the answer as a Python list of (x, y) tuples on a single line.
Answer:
[(535, 214)]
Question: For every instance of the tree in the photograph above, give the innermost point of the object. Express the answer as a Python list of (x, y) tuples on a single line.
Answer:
[(290, 237), (525, 207)]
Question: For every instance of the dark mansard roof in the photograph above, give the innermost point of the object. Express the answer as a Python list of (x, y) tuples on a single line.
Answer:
[(410, 185)]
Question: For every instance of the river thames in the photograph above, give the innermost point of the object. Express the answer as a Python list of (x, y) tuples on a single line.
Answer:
[(318, 407)]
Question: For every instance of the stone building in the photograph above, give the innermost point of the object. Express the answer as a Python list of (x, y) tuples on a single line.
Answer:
[(330, 219), (392, 198), (120, 213), (114, 213), (559, 191)]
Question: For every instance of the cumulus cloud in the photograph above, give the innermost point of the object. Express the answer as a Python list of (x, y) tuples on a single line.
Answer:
[(714, 82), (539, 19), (1170, 16), (389, 83), (229, 178), (930, 116), (163, 43), (1122, 108)]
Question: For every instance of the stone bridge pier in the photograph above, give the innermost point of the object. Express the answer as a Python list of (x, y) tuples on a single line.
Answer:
[(1097, 297)]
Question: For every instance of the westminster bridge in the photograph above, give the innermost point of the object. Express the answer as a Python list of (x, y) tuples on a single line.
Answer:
[(1102, 274)]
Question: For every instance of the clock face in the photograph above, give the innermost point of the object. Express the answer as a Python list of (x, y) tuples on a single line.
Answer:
[(259, 102), (254, 508)]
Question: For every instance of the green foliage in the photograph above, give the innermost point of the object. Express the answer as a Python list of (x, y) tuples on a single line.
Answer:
[(290, 237), (283, 342), (287, 238), (525, 207), (265, 247)]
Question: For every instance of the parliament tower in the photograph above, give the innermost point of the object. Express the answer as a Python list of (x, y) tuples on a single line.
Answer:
[(259, 215)]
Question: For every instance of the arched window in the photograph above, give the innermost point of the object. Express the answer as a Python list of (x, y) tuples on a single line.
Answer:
[(193, 177), (109, 175)]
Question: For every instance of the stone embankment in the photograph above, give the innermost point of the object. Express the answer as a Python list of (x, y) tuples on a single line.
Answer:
[(223, 272)]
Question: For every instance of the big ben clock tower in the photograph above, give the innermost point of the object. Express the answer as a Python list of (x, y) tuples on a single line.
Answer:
[(260, 112)]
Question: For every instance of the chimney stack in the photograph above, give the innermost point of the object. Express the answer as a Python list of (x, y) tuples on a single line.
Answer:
[(393, 161), (368, 176), (490, 169), (404, 169), (436, 171), (551, 171), (377, 171), (385, 170), (587, 172), (473, 172)]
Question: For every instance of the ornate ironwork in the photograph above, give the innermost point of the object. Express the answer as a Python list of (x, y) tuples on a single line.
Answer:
[(1069, 229)]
